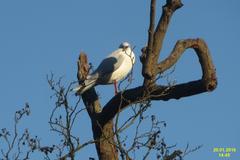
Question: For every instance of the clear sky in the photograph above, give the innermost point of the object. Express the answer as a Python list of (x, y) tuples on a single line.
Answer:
[(39, 37)]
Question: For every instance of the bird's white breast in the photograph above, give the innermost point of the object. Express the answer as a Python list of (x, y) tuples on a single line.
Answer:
[(126, 66)]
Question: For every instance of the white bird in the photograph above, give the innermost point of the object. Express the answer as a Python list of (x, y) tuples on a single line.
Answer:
[(112, 69)]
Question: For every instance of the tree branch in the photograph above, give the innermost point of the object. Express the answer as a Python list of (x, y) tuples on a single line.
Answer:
[(205, 60), (158, 37), (150, 36), (136, 95), (103, 133), (89, 97)]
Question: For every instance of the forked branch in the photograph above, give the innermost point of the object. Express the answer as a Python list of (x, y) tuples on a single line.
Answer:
[(208, 82), (155, 40)]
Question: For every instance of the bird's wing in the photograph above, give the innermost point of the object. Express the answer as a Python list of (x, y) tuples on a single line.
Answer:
[(110, 64)]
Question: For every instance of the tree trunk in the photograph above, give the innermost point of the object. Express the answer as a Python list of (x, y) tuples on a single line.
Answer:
[(103, 132), (105, 145)]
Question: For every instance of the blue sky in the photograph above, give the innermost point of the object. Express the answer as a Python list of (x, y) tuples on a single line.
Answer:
[(39, 37)]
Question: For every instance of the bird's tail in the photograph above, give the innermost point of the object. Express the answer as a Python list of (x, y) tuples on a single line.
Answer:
[(86, 85)]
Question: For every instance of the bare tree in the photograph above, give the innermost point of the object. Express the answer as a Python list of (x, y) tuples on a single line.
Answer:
[(102, 118), (106, 128)]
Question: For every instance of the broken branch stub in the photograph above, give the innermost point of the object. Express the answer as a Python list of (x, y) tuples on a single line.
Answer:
[(83, 67)]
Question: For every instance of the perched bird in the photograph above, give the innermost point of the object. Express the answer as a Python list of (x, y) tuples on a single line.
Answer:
[(112, 69)]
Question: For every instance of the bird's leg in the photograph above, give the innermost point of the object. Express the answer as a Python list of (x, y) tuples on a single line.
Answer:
[(115, 87)]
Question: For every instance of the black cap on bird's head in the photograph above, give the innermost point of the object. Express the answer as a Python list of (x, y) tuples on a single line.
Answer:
[(124, 45)]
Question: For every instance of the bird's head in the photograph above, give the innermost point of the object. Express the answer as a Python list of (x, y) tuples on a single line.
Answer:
[(124, 45)]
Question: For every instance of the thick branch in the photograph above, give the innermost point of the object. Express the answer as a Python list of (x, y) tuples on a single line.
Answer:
[(205, 60), (90, 97), (150, 35), (152, 25), (136, 95), (158, 37), (103, 133)]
